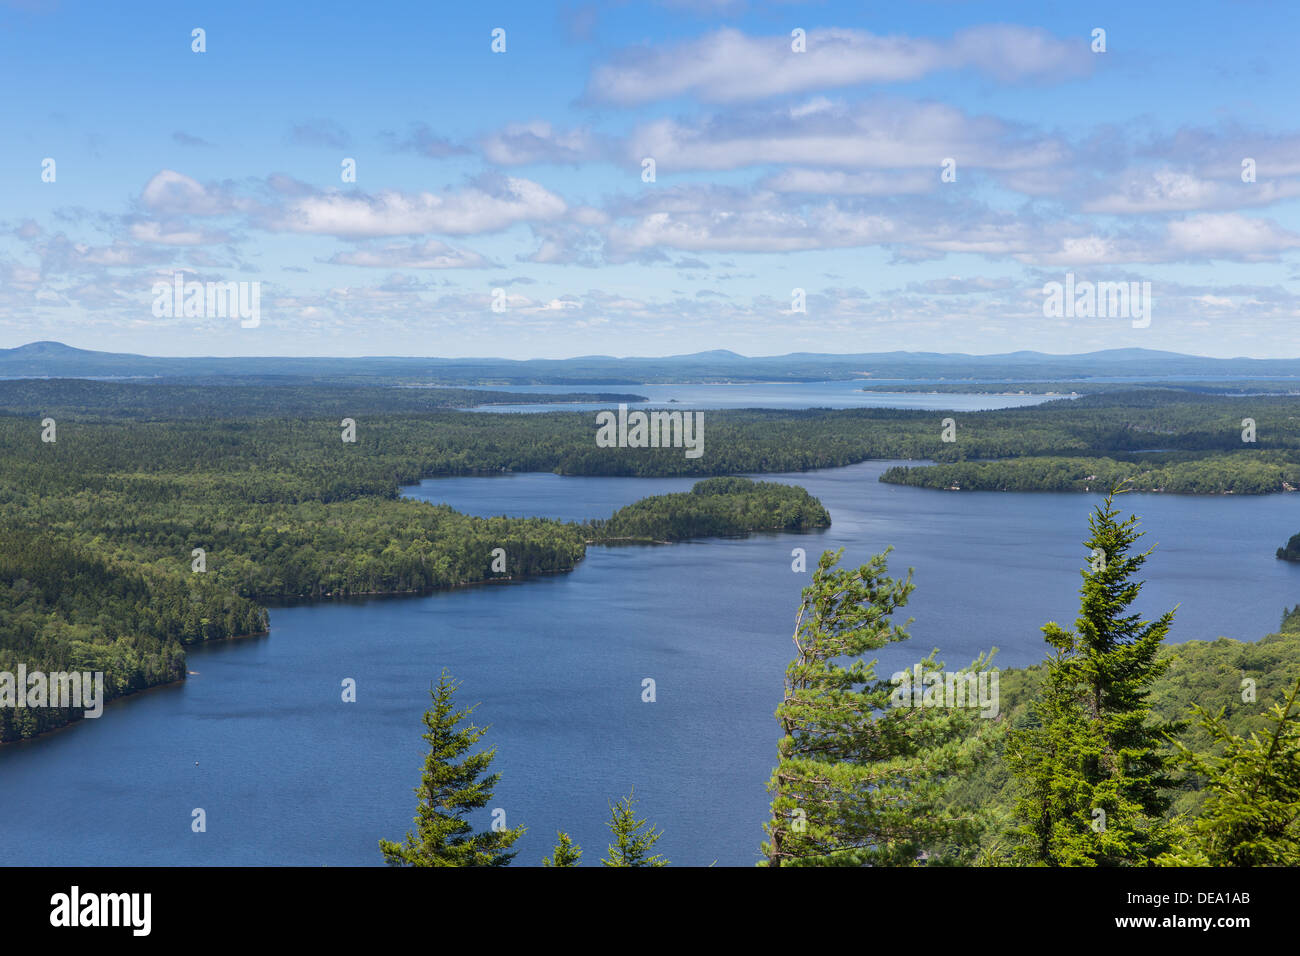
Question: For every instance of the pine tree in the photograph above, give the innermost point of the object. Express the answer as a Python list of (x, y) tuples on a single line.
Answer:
[(1094, 771), (631, 846), (1252, 816), (567, 853), (449, 791), (861, 780)]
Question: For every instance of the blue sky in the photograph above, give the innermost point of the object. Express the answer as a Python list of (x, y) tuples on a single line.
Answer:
[(775, 170)]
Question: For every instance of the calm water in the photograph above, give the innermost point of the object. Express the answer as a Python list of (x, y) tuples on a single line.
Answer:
[(842, 394), (289, 774)]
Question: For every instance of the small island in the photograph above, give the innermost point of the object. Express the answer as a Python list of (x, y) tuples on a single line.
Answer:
[(715, 507)]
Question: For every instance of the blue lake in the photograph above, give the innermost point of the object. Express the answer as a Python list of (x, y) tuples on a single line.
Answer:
[(838, 394), (289, 774)]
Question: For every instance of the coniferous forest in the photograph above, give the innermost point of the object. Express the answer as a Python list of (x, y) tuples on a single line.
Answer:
[(147, 525)]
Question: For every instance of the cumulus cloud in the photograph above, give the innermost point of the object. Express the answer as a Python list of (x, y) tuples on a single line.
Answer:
[(1230, 236), (880, 134), (487, 207), (728, 65), (171, 192), (1167, 190)]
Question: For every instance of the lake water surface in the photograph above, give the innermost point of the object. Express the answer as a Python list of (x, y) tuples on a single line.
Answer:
[(838, 394), (287, 773)]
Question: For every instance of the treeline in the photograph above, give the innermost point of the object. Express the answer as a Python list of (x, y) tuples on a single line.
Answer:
[(715, 507), (1116, 751), (65, 608), (281, 506), (259, 397), (1245, 473), (396, 445)]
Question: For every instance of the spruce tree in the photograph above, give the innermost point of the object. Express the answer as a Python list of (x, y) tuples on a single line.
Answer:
[(1094, 770), (1252, 814), (449, 791), (858, 780), (567, 853), (633, 838)]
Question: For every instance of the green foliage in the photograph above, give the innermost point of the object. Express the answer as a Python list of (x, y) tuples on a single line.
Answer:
[(449, 791), (567, 853), (633, 838), (1094, 771), (858, 780), (1252, 815), (1292, 550), (256, 397), (1242, 473), (64, 607), (715, 507)]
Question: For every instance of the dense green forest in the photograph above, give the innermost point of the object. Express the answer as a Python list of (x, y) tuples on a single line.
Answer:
[(1208, 673), (170, 532), (1245, 473), (139, 479), (258, 398), (1291, 552), (715, 507), (1117, 750), (66, 608)]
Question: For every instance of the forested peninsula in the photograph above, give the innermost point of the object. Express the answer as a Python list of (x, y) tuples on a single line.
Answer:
[(169, 512), (122, 541)]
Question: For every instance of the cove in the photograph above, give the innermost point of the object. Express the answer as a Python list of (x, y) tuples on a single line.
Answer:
[(289, 774)]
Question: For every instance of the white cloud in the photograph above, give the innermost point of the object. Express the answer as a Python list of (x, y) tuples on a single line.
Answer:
[(1167, 190), (880, 134), (539, 142), (430, 254), (392, 213), (172, 192), (1230, 236), (729, 65)]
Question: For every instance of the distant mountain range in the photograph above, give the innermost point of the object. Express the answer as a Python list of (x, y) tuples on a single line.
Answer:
[(56, 360)]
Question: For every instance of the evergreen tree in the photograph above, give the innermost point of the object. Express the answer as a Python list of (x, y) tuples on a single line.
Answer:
[(449, 791), (1252, 816), (1094, 770), (567, 853), (631, 846), (859, 779)]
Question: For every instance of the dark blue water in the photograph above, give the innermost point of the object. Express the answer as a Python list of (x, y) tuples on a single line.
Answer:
[(287, 773)]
